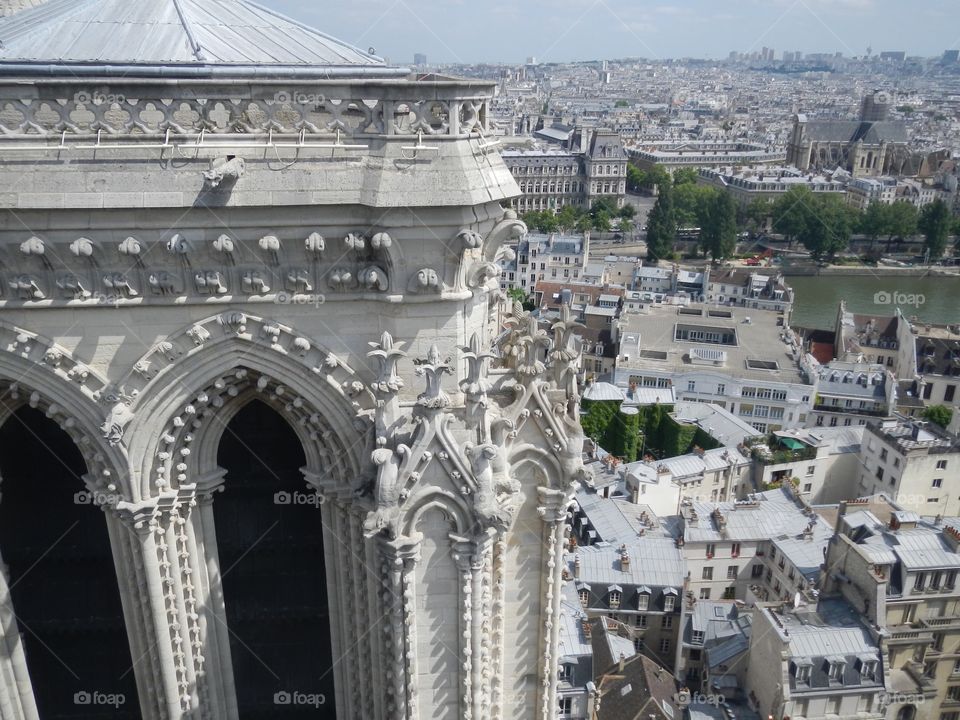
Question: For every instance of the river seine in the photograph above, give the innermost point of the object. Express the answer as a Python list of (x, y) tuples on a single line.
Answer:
[(933, 299)]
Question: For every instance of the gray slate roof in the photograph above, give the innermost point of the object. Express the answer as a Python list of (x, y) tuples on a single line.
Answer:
[(204, 32)]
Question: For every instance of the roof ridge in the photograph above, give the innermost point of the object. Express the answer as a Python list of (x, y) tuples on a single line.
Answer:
[(194, 44)]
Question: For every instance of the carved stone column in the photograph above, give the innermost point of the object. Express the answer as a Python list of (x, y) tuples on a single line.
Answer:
[(163, 527), (205, 559), (16, 693), (399, 560), (553, 510)]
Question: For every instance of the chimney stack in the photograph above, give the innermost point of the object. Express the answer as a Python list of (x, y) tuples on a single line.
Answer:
[(576, 566)]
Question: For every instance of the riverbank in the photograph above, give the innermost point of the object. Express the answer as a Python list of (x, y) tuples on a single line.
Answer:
[(864, 270)]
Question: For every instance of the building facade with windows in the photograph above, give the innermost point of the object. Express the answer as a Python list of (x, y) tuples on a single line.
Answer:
[(744, 360), (913, 462), (593, 165)]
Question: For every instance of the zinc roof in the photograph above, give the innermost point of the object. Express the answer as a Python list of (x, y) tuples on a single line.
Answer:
[(164, 32)]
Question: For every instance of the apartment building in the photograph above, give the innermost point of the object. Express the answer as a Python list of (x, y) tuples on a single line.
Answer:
[(550, 257), (913, 462), (744, 360), (762, 548), (812, 662), (639, 583), (901, 571), (850, 393)]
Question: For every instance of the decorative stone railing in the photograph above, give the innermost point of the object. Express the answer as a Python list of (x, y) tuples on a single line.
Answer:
[(62, 110)]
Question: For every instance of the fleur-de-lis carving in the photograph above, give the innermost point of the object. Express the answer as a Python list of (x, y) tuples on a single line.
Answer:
[(564, 332), (532, 339), (388, 353), (433, 369), (476, 383)]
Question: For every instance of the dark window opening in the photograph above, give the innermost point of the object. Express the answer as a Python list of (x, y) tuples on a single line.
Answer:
[(270, 541), (62, 578)]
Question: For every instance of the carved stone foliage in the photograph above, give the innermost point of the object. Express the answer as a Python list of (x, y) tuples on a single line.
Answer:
[(193, 266), (233, 325), (52, 371)]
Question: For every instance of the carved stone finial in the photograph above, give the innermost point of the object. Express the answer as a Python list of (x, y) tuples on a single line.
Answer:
[(433, 369), (476, 382), (530, 343), (225, 246), (389, 354), (381, 241), (271, 245), (426, 280), (355, 242), (373, 278)]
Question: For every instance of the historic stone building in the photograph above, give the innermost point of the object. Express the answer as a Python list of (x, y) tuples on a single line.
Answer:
[(258, 459), (871, 146), (592, 166)]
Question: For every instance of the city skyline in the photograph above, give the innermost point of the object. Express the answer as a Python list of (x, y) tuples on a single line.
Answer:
[(566, 30)]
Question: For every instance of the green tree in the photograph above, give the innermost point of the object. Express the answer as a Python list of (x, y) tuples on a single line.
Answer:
[(544, 222), (792, 212), (661, 225), (901, 221), (691, 204), (636, 178), (628, 211), (517, 294), (685, 176), (604, 204), (934, 222), (657, 177), (827, 227), (939, 415), (568, 216), (757, 213), (719, 230), (874, 221), (602, 222)]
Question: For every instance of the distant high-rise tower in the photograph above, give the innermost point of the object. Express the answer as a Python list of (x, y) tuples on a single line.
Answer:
[(419, 59), (950, 56)]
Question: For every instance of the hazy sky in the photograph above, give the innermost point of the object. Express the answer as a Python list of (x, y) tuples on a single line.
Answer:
[(555, 30)]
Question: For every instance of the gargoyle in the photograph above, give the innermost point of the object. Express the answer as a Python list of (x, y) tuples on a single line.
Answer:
[(387, 490), (116, 422), (496, 502), (223, 171)]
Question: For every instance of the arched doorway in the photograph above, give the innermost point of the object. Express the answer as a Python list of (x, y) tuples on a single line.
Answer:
[(270, 541), (60, 573)]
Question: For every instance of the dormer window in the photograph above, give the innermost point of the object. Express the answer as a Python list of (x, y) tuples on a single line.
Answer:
[(868, 667), (668, 603), (614, 593), (643, 600), (801, 670), (583, 591), (835, 668)]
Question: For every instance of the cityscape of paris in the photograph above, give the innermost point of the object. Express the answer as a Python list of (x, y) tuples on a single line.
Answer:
[(421, 360)]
